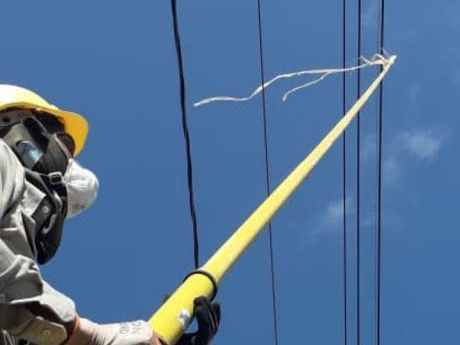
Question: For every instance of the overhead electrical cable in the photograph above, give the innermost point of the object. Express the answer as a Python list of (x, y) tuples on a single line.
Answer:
[(185, 129), (344, 180), (267, 170), (358, 187), (381, 31)]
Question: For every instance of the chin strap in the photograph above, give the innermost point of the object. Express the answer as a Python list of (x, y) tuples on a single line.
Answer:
[(50, 214)]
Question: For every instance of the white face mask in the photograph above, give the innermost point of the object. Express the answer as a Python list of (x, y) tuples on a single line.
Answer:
[(82, 186)]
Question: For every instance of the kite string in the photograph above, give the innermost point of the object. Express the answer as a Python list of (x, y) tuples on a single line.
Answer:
[(310, 83), (377, 59)]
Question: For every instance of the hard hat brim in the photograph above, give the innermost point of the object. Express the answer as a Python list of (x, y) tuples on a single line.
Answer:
[(74, 124)]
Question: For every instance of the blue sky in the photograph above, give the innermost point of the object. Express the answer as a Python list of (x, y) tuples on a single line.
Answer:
[(115, 62)]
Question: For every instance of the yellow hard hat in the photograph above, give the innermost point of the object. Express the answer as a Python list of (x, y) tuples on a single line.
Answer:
[(75, 125)]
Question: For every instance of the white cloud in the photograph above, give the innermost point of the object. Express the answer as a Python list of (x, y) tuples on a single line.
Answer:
[(391, 170), (330, 220), (334, 211), (421, 144), (413, 91), (370, 15), (368, 147)]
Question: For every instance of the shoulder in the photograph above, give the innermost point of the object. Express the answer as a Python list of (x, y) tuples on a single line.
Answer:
[(5, 152), (10, 165), (12, 174)]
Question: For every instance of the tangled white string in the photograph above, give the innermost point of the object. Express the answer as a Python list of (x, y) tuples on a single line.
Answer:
[(377, 59)]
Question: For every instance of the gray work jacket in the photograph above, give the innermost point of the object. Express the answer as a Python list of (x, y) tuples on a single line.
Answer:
[(30, 309)]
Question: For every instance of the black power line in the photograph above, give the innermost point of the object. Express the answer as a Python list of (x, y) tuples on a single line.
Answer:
[(358, 188), (188, 150), (344, 177), (379, 181), (267, 169)]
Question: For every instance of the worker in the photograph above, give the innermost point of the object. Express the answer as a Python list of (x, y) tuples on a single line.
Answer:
[(41, 185)]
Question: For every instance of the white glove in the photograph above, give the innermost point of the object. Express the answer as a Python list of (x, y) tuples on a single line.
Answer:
[(87, 332)]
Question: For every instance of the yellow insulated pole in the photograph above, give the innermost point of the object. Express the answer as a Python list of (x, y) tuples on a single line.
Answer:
[(173, 317)]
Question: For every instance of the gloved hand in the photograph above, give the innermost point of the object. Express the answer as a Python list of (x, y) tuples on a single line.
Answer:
[(87, 332), (208, 318)]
